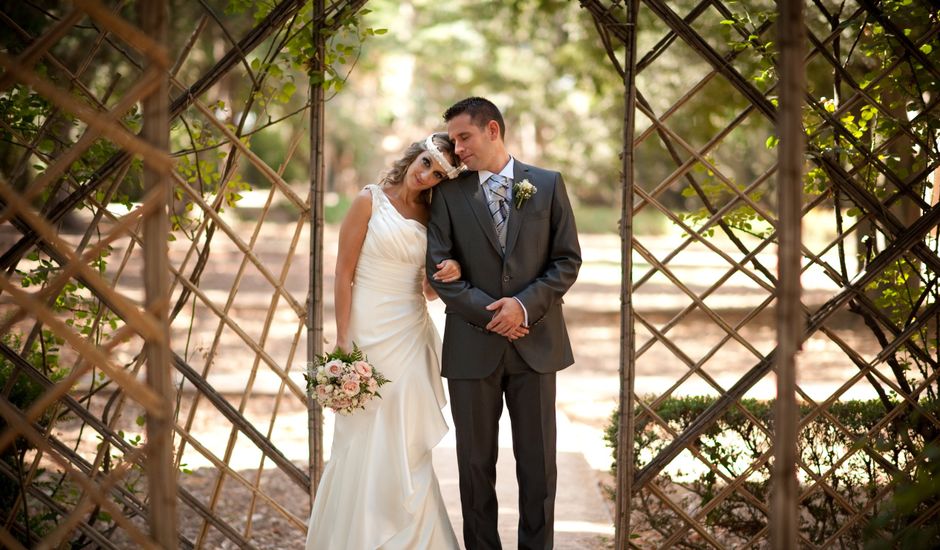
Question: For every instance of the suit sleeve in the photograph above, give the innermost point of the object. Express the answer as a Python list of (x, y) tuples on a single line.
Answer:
[(460, 296), (564, 258)]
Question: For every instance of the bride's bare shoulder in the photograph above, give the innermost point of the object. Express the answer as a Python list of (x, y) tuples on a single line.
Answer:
[(366, 195), (360, 210)]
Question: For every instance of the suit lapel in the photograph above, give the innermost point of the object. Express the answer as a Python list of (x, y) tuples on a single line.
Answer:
[(473, 192), (516, 216)]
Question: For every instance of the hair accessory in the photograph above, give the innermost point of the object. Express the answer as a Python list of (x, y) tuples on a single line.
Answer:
[(441, 159)]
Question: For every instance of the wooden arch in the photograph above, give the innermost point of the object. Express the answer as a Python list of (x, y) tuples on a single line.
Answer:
[(109, 509)]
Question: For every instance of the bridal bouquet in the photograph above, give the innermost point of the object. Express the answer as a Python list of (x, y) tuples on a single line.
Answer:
[(344, 381)]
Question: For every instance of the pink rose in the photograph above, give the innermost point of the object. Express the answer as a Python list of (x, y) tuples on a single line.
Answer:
[(340, 403), (334, 368), (363, 369), (351, 377), (323, 391), (350, 388), (372, 385)]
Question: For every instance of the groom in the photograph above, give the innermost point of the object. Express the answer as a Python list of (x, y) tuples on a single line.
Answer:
[(511, 227)]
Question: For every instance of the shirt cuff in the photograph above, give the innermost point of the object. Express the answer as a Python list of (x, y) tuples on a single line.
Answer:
[(525, 323)]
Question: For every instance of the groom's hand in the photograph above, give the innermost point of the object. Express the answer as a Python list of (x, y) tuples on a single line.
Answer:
[(518, 333), (507, 319)]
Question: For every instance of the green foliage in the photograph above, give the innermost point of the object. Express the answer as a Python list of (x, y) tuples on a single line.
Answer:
[(21, 110), (596, 219), (352, 356), (35, 519), (743, 218), (83, 311), (204, 171), (734, 443), (24, 391), (44, 356), (345, 35), (334, 213), (870, 124), (276, 73), (268, 144), (548, 72), (260, 9), (30, 118), (907, 500)]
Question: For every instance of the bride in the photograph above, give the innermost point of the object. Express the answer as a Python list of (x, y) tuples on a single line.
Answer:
[(379, 489)]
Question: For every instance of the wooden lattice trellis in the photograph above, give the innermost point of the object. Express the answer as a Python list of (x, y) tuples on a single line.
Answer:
[(121, 481), (65, 414), (846, 177)]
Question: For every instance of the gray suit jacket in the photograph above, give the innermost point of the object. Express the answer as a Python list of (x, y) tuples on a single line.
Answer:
[(541, 262)]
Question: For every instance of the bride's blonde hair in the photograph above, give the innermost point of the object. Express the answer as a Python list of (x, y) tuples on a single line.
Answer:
[(396, 173)]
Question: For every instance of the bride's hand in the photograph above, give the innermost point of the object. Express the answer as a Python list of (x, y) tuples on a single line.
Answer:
[(448, 271), (343, 345)]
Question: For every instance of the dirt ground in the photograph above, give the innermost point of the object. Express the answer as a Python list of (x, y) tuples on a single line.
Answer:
[(588, 391)]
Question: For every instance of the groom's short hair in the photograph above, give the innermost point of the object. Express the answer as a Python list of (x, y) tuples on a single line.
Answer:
[(481, 111)]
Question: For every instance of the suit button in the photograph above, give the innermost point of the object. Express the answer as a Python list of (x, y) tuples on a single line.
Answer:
[(506, 278)]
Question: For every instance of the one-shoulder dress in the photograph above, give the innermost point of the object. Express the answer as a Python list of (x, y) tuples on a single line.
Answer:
[(379, 489)]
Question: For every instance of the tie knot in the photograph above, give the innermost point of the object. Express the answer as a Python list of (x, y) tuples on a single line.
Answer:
[(499, 182)]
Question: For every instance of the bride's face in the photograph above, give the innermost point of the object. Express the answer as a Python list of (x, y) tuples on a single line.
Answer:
[(424, 173)]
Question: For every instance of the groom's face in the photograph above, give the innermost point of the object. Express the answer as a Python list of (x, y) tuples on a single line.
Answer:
[(475, 146)]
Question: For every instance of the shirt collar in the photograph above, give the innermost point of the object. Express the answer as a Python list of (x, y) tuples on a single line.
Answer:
[(506, 172)]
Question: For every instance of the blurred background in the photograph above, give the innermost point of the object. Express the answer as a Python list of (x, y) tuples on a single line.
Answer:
[(540, 60)]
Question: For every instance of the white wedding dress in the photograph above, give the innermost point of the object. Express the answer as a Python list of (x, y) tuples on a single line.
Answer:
[(379, 489)]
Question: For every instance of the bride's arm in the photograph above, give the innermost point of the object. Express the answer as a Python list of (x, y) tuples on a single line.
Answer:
[(351, 235), (429, 292)]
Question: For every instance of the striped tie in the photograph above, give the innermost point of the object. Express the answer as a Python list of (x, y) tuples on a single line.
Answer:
[(499, 205)]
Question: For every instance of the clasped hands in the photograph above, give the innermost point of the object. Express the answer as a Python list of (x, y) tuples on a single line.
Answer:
[(508, 317)]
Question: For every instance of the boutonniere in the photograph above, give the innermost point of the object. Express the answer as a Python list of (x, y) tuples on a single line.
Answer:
[(523, 191)]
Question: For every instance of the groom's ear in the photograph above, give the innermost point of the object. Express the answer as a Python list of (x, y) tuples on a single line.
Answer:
[(492, 130)]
